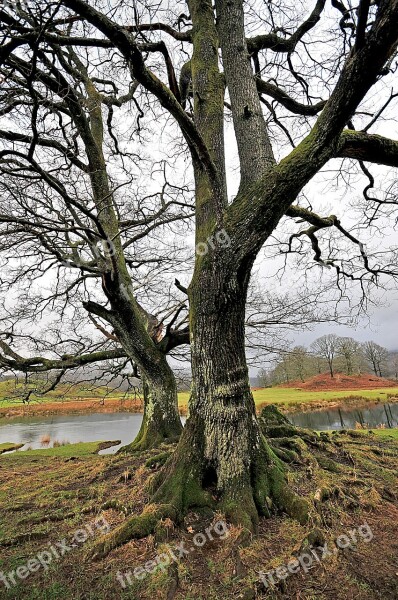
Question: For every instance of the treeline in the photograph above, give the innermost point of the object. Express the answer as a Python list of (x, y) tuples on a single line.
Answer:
[(331, 354)]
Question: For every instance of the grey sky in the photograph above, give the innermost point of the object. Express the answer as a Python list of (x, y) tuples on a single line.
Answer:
[(381, 327)]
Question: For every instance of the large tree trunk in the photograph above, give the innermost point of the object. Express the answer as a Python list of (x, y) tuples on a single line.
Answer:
[(222, 458), (161, 420)]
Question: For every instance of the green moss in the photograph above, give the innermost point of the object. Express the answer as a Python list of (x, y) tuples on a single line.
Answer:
[(8, 446), (328, 464), (241, 509), (271, 488), (136, 527), (68, 451), (271, 415), (181, 488), (158, 460)]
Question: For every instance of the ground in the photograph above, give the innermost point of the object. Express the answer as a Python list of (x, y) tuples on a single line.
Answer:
[(316, 393), (47, 496)]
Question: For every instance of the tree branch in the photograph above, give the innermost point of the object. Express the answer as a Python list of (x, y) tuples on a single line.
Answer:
[(368, 147), (275, 92), (276, 43), (123, 41)]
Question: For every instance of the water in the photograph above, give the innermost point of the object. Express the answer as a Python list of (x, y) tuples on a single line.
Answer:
[(73, 428), (125, 426), (372, 417)]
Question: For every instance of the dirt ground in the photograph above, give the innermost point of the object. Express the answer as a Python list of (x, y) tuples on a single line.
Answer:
[(44, 500)]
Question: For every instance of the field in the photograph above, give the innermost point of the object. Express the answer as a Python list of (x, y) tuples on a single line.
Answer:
[(298, 399), (81, 399), (10, 394), (49, 496)]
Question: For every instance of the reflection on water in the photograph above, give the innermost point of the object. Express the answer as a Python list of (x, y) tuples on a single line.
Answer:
[(125, 426), (73, 428), (372, 416)]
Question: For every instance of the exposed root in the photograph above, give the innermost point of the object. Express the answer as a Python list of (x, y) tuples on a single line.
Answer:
[(186, 482), (147, 441), (157, 461), (135, 527)]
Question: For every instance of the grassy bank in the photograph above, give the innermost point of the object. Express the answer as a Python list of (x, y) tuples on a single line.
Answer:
[(288, 399), (293, 399), (46, 497)]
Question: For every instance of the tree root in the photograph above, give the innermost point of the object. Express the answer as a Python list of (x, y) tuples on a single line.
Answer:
[(186, 482), (157, 461), (147, 442), (136, 527)]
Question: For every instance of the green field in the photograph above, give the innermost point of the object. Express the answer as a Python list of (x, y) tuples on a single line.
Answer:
[(9, 446), (386, 434), (10, 394), (286, 397), (292, 396)]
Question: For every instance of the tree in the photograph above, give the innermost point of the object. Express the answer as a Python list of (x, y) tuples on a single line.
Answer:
[(271, 315), (263, 378), (327, 347), (90, 236), (222, 458), (349, 349), (393, 362), (376, 356)]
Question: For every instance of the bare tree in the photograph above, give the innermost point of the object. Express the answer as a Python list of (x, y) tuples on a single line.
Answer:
[(70, 212), (222, 457), (327, 347), (393, 362), (263, 378), (349, 350), (376, 356)]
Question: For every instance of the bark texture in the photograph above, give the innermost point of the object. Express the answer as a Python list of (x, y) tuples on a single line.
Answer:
[(223, 458), (161, 421)]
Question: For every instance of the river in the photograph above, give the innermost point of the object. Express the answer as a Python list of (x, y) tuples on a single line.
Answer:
[(125, 426)]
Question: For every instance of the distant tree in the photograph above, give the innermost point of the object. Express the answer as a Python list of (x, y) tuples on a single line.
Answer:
[(393, 364), (376, 356), (326, 347), (263, 378), (349, 349), (298, 358)]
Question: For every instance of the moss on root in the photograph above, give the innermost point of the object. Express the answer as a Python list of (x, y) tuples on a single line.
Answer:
[(149, 438), (179, 484), (271, 489), (135, 527), (186, 482), (158, 460)]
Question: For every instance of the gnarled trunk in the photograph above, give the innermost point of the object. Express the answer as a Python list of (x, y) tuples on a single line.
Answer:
[(222, 458), (161, 420)]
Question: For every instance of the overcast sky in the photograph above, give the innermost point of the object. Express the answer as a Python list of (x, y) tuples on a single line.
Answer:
[(381, 328)]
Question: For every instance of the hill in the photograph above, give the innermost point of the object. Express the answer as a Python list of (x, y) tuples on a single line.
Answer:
[(341, 382)]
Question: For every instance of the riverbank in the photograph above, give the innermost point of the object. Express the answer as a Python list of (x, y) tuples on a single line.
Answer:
[(49, 497), (289, 400), (72, 407)]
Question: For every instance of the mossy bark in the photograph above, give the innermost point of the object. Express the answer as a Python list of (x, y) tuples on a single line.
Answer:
[(161, 420), (223, 460)]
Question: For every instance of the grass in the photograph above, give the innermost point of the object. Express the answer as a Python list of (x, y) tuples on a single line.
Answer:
[(284, 397), (47, 500), (67, 451), (293, 396), (387, 434), (6, 447), (10, 393)]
